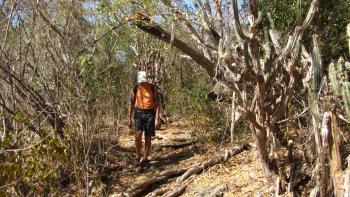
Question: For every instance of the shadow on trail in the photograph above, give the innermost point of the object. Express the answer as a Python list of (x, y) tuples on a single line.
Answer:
[(160, 162), (162, 159)]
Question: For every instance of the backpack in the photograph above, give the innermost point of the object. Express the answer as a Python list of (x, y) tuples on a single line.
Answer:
[(137, 86)]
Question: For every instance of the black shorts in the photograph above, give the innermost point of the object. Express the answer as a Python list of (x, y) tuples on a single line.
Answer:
[(145, 121)]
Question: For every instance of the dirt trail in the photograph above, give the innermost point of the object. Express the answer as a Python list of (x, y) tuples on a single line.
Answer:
[(240, 175)]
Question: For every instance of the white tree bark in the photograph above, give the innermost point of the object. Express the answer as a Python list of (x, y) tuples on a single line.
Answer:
[(233, 118)]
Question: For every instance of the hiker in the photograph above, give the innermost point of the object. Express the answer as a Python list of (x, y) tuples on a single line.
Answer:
[(144, 102)]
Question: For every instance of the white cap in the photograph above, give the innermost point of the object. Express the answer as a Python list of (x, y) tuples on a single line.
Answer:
[(141, 76)]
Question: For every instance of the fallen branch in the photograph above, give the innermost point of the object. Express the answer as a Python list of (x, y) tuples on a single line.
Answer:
[(161, 34), (201, 167), (172, 173), (176, 192), (189, 172), (158, 192), (177, 145), (139, 188), (178, 189)]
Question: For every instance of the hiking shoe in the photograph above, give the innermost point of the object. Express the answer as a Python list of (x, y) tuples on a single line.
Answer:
[(137, 162), (142, 160), (144, 163)]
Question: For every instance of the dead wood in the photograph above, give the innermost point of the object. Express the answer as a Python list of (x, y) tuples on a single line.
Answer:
[(139, 188), (136, 189), (161, 34), (176, 192), (158, 192), (171, 173), (177, 145), (178, 189), (189, 172), (201, 167)]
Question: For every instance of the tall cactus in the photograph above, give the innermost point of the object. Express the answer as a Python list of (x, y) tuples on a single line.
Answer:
[(348, 33), (317, 66), (339, 79), (313, 93), (316, 79)]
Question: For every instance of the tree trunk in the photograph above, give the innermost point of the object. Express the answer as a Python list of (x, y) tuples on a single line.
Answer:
[(268, 166), (335, 159), (233, 117)]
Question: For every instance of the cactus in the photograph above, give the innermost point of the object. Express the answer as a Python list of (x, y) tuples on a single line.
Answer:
[(316, 79), (339, 79), (238, 29), (317, 67), (332, 75), (348, 33)]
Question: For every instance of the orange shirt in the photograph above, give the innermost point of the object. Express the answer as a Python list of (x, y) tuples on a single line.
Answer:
[(145, 98)]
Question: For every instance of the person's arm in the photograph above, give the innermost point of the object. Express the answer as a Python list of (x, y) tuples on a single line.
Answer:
[(157, 107), (130, 108)]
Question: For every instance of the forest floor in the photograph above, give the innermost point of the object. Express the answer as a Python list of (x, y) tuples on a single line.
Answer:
[(241, 175)]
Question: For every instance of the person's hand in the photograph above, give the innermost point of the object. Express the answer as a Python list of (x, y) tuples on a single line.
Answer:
[(157, 123), (129, 123)]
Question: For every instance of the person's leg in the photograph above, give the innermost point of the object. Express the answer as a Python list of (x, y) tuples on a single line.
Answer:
[(149, 132), (138, 144), (138, 134), (148, 145)]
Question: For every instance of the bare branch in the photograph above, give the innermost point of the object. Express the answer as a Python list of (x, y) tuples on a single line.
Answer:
[(193, 31), (311, 13), (209, 29), (160, 33), (274, 34), (220, 17), (99, 38), (8, 25), (299, 29), (299, 13), (48, 22)]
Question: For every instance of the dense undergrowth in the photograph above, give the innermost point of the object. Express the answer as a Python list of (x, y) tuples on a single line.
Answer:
[(66, 71)]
